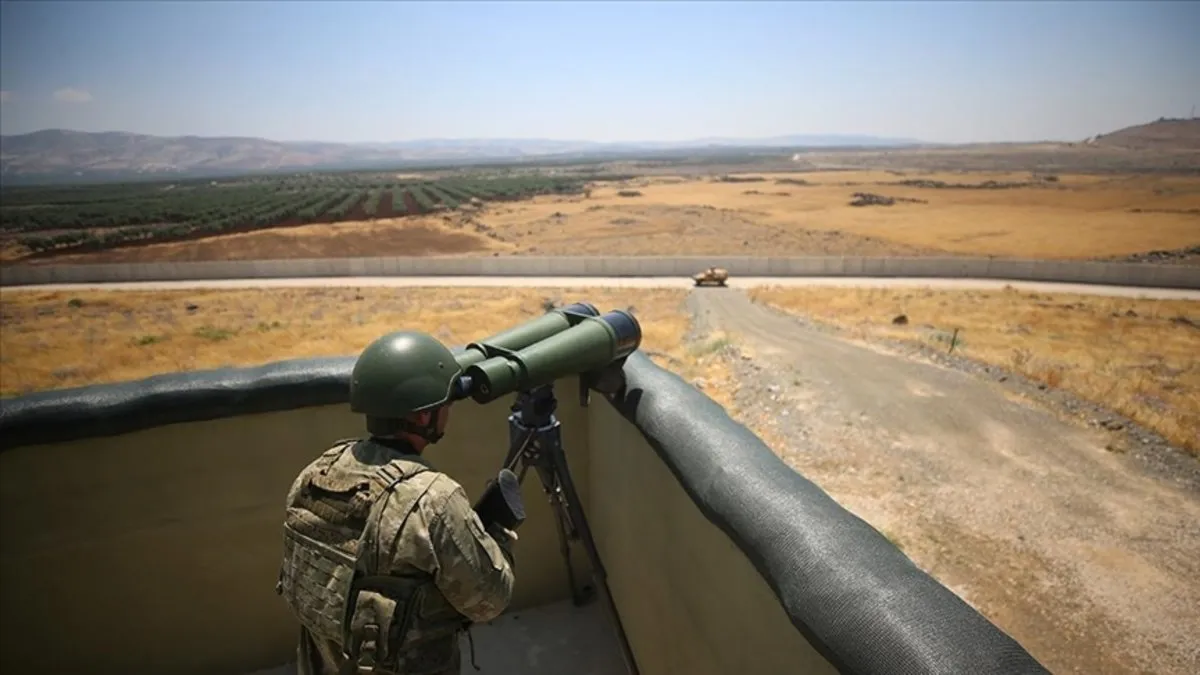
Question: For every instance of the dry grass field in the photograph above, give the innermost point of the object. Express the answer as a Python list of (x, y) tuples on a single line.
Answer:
[(1071, 217), (1137, 357), (800, 213), (52, 340)]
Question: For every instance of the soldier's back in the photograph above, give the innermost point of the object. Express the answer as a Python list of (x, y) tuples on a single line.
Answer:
[(366, 508)]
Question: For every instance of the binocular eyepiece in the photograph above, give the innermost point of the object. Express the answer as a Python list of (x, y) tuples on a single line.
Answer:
[(571, 340)]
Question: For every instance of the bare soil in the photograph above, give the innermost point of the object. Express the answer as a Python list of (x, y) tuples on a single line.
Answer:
[(1082, 555), (387, 237), (667, 229)]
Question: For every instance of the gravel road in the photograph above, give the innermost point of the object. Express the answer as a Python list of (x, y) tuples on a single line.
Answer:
[(1082, 555)]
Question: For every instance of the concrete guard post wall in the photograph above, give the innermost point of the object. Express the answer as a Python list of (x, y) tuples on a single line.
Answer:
[(1065, 271), (141, 521), (141, 527)]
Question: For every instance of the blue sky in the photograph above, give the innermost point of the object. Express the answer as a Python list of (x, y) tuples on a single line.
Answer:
[(383, 71)]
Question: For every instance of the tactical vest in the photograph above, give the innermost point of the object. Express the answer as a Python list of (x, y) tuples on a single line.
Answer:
[(381, 622)]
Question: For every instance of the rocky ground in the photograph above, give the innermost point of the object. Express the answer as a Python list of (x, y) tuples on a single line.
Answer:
[(1182, 256), (1071, 528)]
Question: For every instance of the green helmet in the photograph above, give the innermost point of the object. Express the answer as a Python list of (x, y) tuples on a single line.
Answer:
[(401, 373)]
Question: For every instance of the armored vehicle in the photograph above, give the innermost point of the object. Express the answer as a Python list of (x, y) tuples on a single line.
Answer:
[(713, 276)]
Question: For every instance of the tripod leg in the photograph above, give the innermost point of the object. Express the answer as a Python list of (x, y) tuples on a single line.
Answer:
[(551, 464), (517, 446), (578, 596), (575, 510)]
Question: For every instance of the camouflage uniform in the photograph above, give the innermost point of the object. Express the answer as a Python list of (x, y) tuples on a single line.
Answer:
[(424, 548), (385, 561)]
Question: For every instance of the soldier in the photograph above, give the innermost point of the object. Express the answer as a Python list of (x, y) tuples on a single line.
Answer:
[(384, 560)]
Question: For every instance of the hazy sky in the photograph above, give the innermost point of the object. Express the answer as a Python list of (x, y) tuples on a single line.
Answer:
[(342, 71)]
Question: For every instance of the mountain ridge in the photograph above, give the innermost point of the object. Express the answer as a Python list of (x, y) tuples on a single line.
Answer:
[(58, 151), (65, 154), (1165, 133)]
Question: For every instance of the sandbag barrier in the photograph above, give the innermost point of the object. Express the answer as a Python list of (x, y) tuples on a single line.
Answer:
[(852, 594)]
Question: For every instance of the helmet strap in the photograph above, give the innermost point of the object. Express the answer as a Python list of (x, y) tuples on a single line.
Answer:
[(430, 432)]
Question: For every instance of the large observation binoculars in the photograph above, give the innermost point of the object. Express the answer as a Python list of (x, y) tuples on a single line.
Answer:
[(571, 340)]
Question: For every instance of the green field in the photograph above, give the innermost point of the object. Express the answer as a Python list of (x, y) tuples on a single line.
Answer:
[(62, 219)]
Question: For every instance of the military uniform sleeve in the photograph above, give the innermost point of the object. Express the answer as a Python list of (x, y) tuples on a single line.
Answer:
[(474, 570)]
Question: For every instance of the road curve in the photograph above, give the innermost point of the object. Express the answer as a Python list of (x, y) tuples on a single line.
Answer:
[(1086, 560), (621, 282)]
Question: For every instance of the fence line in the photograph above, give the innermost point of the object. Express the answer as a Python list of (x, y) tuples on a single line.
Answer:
[(1065, 271)]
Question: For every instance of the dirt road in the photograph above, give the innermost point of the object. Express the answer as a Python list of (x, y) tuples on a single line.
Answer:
[(1093, 565), (621, 282)]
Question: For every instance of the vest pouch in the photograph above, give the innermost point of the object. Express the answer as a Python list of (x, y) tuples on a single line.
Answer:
[(339, 497), (371, 638), (315, 580), (396, 610)]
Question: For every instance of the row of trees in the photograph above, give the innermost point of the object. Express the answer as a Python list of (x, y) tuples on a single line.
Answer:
[(172, 215)]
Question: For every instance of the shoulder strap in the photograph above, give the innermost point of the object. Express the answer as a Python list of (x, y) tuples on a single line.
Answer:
[(385, 481), (366, 563)]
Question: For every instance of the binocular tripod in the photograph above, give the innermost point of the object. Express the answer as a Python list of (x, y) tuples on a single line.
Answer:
[(535, 441)]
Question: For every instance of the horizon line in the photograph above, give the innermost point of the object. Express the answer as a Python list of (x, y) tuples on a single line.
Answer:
[(700, 139), (896, 139)]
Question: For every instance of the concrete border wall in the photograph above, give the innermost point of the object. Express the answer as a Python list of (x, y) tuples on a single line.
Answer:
[(1065, 271), (141, 530)]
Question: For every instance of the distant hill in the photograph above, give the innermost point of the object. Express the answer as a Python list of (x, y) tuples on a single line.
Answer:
[(1163, 134), (117, 155)]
